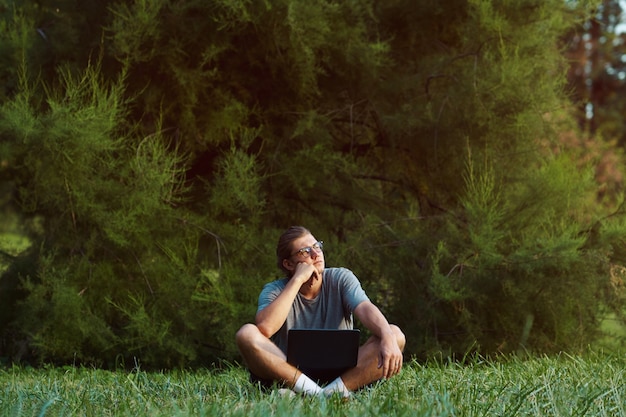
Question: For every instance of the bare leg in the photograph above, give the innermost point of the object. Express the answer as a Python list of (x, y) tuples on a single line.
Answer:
[(367, 370), (263, 357)]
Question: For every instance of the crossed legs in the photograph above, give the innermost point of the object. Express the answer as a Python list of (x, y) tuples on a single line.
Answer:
[(367, 370), (265, 360)]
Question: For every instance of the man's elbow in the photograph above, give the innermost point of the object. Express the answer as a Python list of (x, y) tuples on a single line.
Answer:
[(264, 327), (265, 331)]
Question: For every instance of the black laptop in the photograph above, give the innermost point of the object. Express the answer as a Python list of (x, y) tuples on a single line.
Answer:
[(323, 355)]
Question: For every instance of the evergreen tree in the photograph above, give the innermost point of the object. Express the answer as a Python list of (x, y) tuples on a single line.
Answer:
[(156, 162)]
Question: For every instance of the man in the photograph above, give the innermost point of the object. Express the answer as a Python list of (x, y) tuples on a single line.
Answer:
[(313, 296)]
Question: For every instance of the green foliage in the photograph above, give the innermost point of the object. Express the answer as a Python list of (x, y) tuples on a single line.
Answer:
[(120, 274), (237, 188), (63, 323), (153, 164), (517, 260)]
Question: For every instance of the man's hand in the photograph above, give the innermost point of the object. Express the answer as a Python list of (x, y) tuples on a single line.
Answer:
[(390, 352), (304, 273), (390, 356)]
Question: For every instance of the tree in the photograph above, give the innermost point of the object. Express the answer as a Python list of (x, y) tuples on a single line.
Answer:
[(597, 71), (419, 140)]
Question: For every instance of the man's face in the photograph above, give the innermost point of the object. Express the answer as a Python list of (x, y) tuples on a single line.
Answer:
[(307, 249)]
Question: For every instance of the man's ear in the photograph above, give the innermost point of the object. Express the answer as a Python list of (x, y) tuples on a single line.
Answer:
[(289, 266)]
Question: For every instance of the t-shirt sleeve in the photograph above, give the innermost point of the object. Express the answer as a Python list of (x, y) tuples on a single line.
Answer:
[(269, 293), (352, 292)]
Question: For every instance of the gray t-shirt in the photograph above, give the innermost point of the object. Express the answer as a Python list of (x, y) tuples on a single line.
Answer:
[(341, 293)]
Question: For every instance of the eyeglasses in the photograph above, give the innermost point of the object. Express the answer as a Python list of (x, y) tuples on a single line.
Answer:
[(318, 247)]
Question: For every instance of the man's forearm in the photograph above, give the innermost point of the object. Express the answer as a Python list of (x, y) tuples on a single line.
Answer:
[(373, 319), (271, 318)]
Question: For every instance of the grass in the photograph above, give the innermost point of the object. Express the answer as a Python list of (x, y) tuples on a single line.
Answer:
[(548, 386)]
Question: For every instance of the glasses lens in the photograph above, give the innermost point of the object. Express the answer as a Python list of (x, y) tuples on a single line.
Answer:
[(306, 252)]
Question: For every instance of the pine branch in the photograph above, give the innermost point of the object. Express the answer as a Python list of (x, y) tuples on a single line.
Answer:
[(7, 255)]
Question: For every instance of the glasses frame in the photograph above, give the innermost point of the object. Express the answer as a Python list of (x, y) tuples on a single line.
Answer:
[(305, 252)]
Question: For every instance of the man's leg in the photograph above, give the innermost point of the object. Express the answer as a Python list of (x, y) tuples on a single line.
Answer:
[(265, 360), (367, 370)]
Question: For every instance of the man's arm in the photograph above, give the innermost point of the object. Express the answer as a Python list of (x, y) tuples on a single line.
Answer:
[(271, 318), (390, 356)]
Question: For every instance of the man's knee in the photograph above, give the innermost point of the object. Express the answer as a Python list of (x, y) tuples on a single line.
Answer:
[(246, 334), (399, 336)]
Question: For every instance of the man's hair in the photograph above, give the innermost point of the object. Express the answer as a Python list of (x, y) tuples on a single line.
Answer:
[(284, 249)]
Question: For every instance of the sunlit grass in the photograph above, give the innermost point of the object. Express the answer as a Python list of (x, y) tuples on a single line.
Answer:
[(548, 386)]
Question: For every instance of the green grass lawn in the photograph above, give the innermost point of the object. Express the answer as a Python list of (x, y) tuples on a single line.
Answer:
[(547, 386)]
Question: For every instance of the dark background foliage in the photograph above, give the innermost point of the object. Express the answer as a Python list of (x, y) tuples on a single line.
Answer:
[(152, 151)]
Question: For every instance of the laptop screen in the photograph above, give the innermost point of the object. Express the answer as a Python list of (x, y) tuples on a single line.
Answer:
[(323, 354)]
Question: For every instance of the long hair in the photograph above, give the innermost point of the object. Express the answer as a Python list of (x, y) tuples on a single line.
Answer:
[(284, 248)]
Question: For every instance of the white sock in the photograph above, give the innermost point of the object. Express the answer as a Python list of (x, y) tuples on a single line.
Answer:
[(337, 386), (305, 385)]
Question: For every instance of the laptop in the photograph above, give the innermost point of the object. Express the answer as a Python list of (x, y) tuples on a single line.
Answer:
[(323, 354)]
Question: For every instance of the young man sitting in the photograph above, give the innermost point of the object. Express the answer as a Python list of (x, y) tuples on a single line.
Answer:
[(312, 296)]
